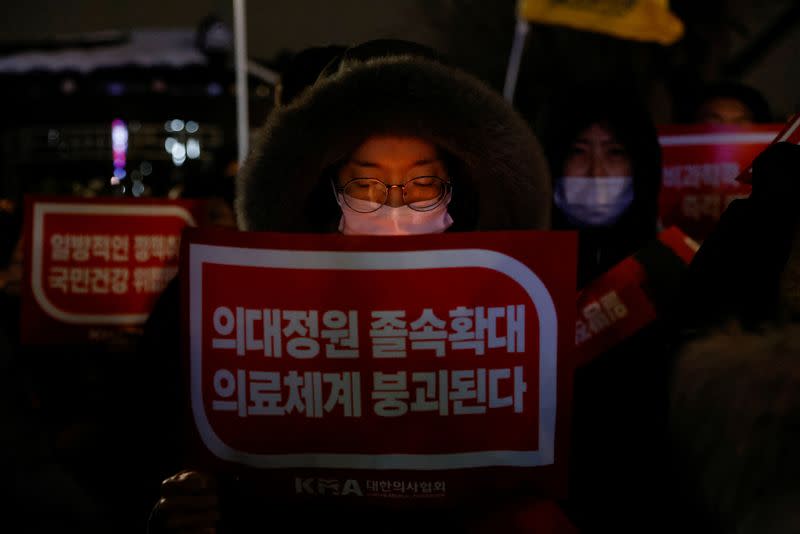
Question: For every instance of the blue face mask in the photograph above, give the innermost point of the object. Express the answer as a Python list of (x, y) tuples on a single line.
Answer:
[(594, 201)]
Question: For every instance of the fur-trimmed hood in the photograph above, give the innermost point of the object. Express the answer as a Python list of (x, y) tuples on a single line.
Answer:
[(500, 178), (735, 412)]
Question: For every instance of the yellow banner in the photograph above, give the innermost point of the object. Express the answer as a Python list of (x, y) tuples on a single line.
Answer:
[(640, 20)]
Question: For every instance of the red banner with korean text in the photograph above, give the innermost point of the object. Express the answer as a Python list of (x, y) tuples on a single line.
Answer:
[(398, 369), (623, 301), (96, 266), (701, 164)]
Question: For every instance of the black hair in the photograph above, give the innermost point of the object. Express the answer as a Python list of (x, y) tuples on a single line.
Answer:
[(303, 68), (378, 48), (621, 111), (750, 97)]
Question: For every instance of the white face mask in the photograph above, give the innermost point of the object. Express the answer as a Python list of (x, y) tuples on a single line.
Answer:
[(594, 201), (393, 221)]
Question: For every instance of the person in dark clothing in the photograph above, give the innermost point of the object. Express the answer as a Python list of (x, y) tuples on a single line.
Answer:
[(748, 269), (159, 347), (38, 494), (302, 70), (417, 118), (734, 411), (605, 161), (217, 192)]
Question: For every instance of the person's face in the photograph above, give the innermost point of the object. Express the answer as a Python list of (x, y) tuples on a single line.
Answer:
[(724, 111), (394, 161), (596, 153)]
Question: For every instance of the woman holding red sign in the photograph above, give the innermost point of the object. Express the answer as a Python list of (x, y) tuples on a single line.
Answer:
[(606, 163), (389, 141)]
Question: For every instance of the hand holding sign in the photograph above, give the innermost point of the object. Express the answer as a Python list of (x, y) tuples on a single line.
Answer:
[(188, 504)]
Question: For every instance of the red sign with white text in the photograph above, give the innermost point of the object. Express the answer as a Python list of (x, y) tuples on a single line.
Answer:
[(404, 367), (701, 164), (616, 305), (97, 265)]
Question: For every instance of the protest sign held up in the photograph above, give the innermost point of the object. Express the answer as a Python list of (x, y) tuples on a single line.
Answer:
[(381, 368)]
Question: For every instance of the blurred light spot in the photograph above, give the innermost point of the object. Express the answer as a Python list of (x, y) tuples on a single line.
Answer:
[(146, 168), (178, 150), (116, 88), (177, 125), (119, 146), (193, 148), (137, 189), (178, 154), (53, 136), (192, 126), (68, 86), (119, 135), (169, 144), (214, 89)]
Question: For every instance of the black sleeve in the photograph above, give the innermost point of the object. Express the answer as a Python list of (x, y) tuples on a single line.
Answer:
[(736, 272)]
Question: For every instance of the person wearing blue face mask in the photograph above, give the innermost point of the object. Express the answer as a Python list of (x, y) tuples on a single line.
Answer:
[(597, 186), (606, 163)]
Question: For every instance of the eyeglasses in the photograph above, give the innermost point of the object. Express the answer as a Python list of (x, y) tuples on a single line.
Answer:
[(422, 193)]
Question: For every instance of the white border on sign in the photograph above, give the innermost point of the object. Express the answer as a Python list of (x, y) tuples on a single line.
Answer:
[(751, 138), (790, 130), (200, 254), (41, 209)]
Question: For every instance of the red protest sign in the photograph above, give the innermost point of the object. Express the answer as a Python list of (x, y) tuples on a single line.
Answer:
[(97, 265), (701, 164), (611, 309), (617, 304), (410, 367)]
